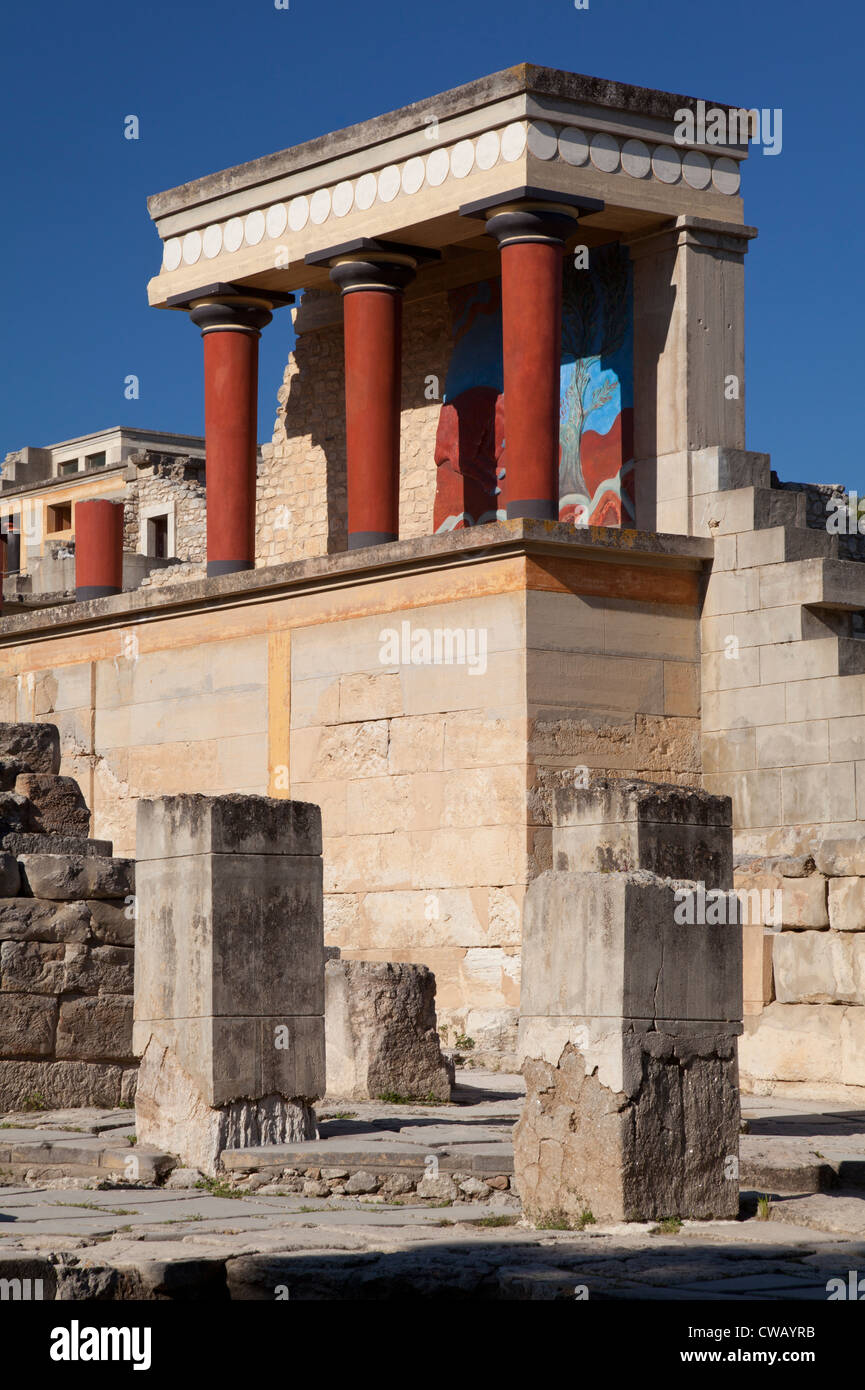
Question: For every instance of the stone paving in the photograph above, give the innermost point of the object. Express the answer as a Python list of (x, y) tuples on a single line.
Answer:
[(90, 1235)]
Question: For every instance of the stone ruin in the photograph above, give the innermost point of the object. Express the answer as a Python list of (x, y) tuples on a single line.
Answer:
[(380, 1023), (229, 990), (66, 938), (629, 1017), (629, 1020)]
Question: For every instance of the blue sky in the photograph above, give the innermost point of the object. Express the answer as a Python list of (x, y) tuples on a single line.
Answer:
[(217, 83)]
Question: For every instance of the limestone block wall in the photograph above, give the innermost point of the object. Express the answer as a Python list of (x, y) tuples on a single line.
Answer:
[(135, 722), (783, 674), (301, 485), (783, 677), (435, 781), (434, 776), (805, 974)]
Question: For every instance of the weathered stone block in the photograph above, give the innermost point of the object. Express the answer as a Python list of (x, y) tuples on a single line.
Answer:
[(610, 946), (229, 990), (620, 825), (840, 858), (99, 969), (171, 1114), (231, 824), (264, 910), (27, 1023), (61, 1085), (10, 875), (795, 1042), (57, 806), (380, 1028), (111, 922), (660, 1149), (70, 877), (779, 900), (96, 1029), (35, 919), (37, 746), (628, 1021), (33, 967), (847, 904), (819, 967)]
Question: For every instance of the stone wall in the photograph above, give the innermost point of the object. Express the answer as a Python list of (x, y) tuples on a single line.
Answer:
[(805, 973), (66, 939), (179, 484), (434, 777), (301, 486)]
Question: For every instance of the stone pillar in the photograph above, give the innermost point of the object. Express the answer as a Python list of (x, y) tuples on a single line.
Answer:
[(689, 359), (229, 974), (231, 318), (372, 290), (631, 1005), (372, 276), (380, 1027), (98, 548), (531, 232)]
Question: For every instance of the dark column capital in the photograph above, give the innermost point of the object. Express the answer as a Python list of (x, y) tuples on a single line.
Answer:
[(528, 214), (230, 308), (368, 263)]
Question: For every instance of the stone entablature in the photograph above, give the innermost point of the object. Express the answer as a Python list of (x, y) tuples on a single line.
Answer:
[(527, 125)]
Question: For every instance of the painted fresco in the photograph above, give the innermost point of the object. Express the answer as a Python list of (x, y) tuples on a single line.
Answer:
[(596, 401)]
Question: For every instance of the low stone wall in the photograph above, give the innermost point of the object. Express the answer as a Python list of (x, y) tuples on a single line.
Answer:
[(66, 938), (805, 973)]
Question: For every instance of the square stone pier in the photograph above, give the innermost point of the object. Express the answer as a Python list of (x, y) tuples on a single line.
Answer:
[(229, 973), (630, 1011)]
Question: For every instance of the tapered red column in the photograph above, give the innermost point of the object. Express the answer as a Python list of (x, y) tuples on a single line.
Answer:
[(231, 332), (532, 249), (231, 318), (98, 548), (531, 226), (372, 293)]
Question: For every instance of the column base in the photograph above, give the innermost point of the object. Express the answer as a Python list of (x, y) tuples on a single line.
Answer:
[(218, 567), (87, 591), (359, 540), (539, 509)]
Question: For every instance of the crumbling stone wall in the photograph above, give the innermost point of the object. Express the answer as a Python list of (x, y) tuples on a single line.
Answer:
[(805, 973), (66, 938), (177, 482), (301, 484)]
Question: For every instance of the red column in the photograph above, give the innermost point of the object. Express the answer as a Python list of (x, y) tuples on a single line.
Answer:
[(230, 330), (372, 303), (531, 237), (98, 548), (531, 351)]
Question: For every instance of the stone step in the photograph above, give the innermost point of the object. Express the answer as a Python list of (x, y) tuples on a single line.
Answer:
[(36, 842), (747, 509), (53, 1154), (791, 1167), (837, 585), (776, 545), (70, 877), (490, 1159)]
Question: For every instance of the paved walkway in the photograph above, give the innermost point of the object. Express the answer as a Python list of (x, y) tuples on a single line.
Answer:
[(69, 1214)]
